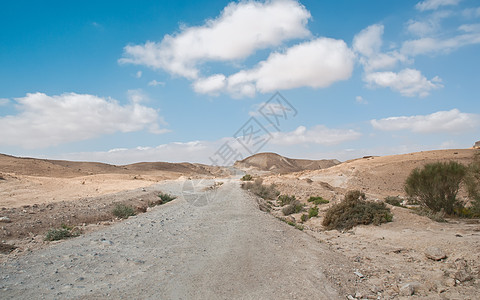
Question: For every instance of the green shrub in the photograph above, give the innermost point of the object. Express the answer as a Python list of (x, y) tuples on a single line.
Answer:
[(292, 208), (166, 197), (313, 212), (472, 182), (286, 199), (258, 188), (436, 185), (304, 218), (123, 211), (318, 200), (246, 177), (354, 210), (394, 200), (61, 233)]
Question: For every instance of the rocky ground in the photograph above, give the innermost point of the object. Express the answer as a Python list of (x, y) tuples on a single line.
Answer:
[(225, 249), (194, 246)]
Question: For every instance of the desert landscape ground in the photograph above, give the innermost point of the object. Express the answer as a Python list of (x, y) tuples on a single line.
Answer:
[(225, 247)]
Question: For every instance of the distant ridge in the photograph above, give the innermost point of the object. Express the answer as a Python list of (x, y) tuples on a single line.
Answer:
[(276, 163), (62, 168)]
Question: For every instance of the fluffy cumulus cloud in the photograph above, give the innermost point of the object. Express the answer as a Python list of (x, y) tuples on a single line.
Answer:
[(319, 134), (408, 82), (45, 121), (317, 64), (434, 4), (452, 121), (241, 29)]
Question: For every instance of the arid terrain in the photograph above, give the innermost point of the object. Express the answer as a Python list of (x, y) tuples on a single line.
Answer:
[(226, 247)]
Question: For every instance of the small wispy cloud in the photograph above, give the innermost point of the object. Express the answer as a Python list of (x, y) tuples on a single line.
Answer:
[(155, 83), (4, 101), (360, 100)]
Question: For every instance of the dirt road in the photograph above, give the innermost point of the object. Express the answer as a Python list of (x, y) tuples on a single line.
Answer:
[(227, 249)]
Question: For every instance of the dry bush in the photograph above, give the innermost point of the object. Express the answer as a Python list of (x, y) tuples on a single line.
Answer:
[(354, 210), (123, 211), (286, 199), (264, 191), (246, 177), (293, 208), (394, 200)]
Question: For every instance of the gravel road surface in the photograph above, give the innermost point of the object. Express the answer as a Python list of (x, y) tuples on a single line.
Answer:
[(223, 249)]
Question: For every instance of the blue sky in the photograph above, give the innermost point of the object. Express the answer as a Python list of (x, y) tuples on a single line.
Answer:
[(129, 81)]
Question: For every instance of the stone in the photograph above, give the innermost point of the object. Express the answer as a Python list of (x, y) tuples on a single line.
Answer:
[(462, 276), (435, 253), (5, 220), (450, 282), (409, 289)]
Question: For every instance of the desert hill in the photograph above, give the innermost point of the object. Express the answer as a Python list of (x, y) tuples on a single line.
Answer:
[(378, 176), (70, 169), (272, 162)]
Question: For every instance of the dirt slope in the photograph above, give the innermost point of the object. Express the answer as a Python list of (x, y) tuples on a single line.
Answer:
[(272, 162), (377, 176)]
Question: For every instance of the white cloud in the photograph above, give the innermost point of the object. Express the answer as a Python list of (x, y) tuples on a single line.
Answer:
[(408, 82), (240, 30), (422, 28), (434, 4), (155, 83), (138, 74), (319, 134), (45, 121), (210, 85), (4, 101), (368, 43), (317, 64), (452, 121), (360, 100), (432, 45)]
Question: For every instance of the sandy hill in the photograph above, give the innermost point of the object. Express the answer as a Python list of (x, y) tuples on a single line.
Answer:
[(70, 169), (376, 175), (275, 163)]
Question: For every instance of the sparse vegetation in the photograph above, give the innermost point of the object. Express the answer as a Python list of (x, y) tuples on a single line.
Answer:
[(436, 185), (123, 211), (292, 208), (166, 197), (163, 198), (355, 210), (297, 226), (318, 200), (61, 233), (304, 218), (472, 182), (435, 216), (313, 212), (246, 177), (394, 200), (258, 188), (286, 199)]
